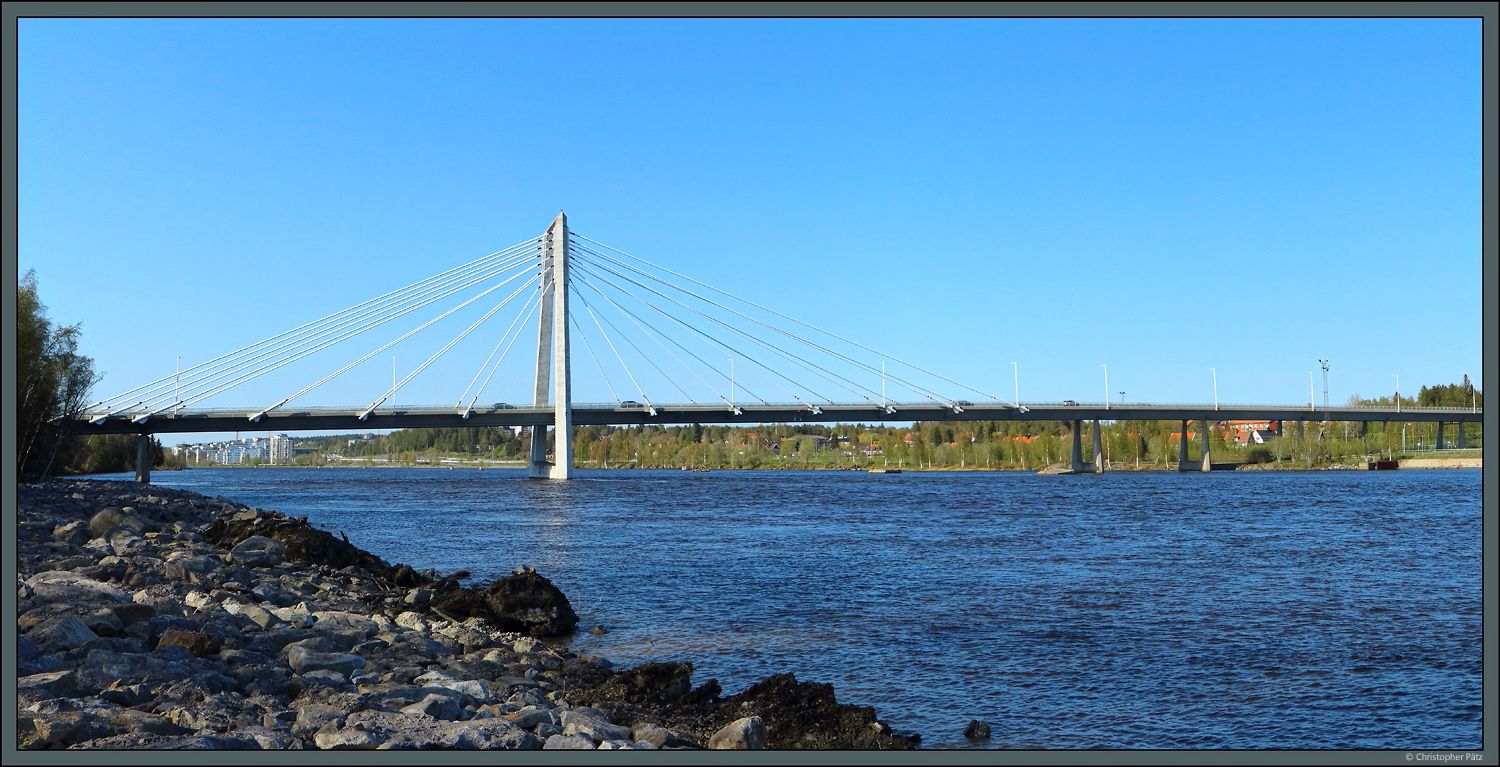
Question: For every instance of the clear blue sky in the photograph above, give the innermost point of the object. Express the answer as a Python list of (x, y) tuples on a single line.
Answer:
[(1161, 196)]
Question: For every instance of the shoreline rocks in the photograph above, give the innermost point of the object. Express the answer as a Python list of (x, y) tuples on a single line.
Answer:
[(152, 618)]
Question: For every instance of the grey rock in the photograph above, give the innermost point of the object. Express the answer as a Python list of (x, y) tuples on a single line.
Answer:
[(102, 669), (128, 695), (404, 674), (568, 742), (67, 586), (304, 660), (598, 729), (113, 517), (531, 716), (51, 684), (436, 706), (977, 730), (348, 738), (338, 620), (62, 632), (125, 541), (747, 733), (418, 596), (102, 621), (259, 615), (324, 679), (314, 717), (625, 745), (258, 551), (545, 730), (75, 533), (271, 740), (145, 722), (192, 569), (69, 727), (130, 612), (657, 736)]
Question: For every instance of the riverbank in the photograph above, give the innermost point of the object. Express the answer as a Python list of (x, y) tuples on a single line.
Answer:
[(154, 618)]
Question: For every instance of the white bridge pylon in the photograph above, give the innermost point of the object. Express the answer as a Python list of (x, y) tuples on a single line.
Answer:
[(552, 344)]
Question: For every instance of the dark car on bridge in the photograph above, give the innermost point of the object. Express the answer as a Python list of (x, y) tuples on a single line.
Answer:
[(630, 403)]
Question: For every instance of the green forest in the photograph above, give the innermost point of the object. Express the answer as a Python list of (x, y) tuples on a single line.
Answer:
[(998, 445)]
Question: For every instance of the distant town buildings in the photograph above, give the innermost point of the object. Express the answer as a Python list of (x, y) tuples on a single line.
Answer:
[(275, 449)]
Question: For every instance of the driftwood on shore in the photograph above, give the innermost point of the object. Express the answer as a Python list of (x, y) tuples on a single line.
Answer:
[(151, 618)]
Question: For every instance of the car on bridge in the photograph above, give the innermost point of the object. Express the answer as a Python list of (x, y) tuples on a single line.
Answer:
[(630, 403), (1070, 403)]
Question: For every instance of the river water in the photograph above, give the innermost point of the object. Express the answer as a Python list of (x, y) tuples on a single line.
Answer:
[(1129, 610)]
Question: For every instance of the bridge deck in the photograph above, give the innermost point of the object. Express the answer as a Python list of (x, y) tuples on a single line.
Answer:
[(341, 418)]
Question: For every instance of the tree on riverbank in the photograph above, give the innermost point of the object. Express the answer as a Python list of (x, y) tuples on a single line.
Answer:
[(52, 383)]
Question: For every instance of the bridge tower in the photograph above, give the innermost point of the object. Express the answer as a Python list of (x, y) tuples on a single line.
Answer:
[(552, 357)]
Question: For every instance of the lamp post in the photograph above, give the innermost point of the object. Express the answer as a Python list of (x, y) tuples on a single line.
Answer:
[(1106, 385), (1324, 365), (1312, 399), (1398, 393), (1216, 387)]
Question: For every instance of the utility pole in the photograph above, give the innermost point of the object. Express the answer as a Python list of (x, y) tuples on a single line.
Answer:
[(1216, 387)]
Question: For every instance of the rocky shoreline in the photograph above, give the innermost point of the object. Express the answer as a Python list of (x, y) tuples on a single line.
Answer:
[(153, 618)]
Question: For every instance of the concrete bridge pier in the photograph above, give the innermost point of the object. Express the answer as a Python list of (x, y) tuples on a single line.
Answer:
[(1077, 463), (1299, 429), (1183, 464), (1098, 451), (1364, 429), (1440, 435), (1203, 436), (143, 458), (1460, 435)]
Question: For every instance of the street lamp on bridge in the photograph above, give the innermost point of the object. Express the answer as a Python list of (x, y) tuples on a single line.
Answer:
[(1398, 392), (1106, 385), (1216, 387)]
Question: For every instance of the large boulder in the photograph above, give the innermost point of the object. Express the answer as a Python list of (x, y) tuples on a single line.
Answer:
[(113, 517), (748, 733), (63, 632), (302, 660), (258, 551), (525, 603), (68, 586)]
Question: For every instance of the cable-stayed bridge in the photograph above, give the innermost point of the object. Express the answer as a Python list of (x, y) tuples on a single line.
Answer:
[(668, 349)]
